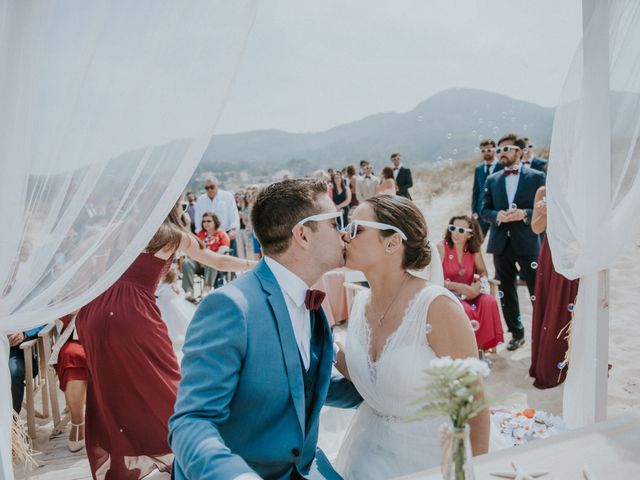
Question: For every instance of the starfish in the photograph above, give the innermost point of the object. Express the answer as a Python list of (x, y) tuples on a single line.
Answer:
[(519, 473)]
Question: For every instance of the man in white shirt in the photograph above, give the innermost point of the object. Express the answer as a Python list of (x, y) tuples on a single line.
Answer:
[(367, 184), (259, 352), (220, 202)]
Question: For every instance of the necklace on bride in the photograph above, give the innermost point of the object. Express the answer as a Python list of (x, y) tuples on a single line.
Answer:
[(380, 319)]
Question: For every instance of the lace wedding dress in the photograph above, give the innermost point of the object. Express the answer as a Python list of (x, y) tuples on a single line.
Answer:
[(381, 442)]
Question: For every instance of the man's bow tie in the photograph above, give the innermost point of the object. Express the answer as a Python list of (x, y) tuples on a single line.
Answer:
[(313, 299), (511, 172)]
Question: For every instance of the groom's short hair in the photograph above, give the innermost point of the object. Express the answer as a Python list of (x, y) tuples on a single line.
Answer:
[(279, 207)]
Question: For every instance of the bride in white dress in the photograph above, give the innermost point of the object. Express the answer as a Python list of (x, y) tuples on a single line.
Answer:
[(395, 329)]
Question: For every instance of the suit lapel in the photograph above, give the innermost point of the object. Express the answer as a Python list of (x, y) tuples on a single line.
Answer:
[(287, 338), (521, 186), (324, 370)]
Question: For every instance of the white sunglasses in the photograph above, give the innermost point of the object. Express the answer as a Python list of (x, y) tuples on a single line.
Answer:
[(352, 228), (460, 230), (324, 216)]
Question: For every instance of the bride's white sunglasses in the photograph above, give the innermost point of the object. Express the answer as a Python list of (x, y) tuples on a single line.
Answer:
[(352, 228)]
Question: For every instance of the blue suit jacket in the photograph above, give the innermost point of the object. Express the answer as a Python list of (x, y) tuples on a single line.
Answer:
[(241, 405), (538, 164), (523, 240), (479, 177)]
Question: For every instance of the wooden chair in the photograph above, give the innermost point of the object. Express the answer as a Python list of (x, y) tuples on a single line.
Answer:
[(48, 337), (34, 384)]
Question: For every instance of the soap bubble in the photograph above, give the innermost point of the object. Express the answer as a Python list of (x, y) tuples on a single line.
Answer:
[(570, 307), (476, 150), (474, 133), (561, 365), (500, 294), (475, 324), (534, 265), (533, 298), (495, 129), (449, 135), (450, 257), (513, 206), (455, 151), (429, 328), (419, 118), (504, 114), (473, 306)]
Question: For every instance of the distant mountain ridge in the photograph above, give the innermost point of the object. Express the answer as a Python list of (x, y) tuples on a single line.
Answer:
[(446, 125)]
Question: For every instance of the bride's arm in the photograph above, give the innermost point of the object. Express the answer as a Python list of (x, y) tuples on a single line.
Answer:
[(452, 335)]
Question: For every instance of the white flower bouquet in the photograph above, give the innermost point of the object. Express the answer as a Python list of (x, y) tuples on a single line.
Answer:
[(452, 389)]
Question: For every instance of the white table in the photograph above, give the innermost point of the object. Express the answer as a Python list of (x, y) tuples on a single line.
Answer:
[(610, 449)]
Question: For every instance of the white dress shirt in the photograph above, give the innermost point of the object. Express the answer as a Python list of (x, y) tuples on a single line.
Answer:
[(396, 170), (511, 184), (223, 205), (294, 291)]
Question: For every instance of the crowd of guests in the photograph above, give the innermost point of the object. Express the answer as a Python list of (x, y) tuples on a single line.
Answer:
[(508, 206)]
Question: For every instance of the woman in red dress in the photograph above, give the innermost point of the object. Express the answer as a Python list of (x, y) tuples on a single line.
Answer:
[(70, 362), (133, 371), (465, 275), (552, 309)]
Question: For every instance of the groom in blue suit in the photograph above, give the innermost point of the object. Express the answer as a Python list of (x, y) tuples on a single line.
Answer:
[(259, 352)]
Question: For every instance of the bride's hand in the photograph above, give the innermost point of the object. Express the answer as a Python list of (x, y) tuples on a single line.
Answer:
[(341, 361)]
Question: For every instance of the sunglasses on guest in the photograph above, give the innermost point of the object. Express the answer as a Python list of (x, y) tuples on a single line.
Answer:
[(460, 230), (210, 187), (487, 150), (507, 149)]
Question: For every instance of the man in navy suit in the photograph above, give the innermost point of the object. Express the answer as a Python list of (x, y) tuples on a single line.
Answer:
[(489, 165), (402, 176), (508, 207), (530, 160)]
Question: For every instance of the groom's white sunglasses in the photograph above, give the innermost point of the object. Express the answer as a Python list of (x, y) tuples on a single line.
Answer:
[(324, 216), (352, 228)]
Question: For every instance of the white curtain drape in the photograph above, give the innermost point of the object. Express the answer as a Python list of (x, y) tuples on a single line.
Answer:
[(107, 108), (594, 181)]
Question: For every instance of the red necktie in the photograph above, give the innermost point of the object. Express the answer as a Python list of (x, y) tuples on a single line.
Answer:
[(511, 172), (313, 299)]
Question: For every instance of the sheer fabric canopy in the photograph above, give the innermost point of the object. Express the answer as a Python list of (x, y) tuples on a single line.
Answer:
[(107, 108), (593, 184)]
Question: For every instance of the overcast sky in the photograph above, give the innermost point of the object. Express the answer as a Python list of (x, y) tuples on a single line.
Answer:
[(312, 65)]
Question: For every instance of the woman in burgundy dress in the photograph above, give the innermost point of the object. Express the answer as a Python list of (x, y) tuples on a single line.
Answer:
[(465, 274), (552, 309), (133, 371)]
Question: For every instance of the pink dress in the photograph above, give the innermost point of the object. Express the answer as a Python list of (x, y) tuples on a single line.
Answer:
[(483, 308)]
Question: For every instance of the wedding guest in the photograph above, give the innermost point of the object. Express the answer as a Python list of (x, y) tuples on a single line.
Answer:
[(70, 361), (17, 364), (363, 163), (402, 176), (133, 371), (552, 310), (489, 165), (466, 275), (367, 184), (386, 183), (243, 238), (508, 207), (352, 178), (213, 238), (530, 160), (341, 196), (191, 210), (222, 203)]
